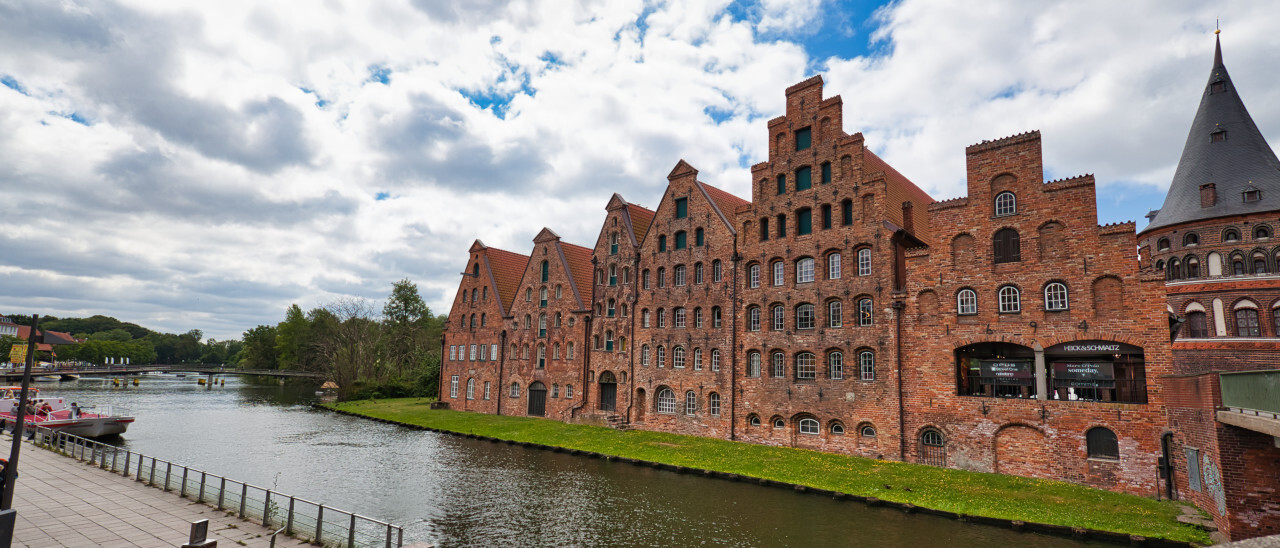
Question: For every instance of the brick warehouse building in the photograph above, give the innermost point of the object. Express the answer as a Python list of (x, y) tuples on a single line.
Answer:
[(842, 309)]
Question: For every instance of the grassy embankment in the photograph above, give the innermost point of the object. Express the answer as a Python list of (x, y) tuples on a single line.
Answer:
[(970, 493)]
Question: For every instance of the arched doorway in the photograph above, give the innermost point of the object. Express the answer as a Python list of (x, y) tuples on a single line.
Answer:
[(537, 399), (640, 405), (608, 392)]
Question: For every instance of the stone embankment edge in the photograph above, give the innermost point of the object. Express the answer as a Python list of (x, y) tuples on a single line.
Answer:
[(1016, 525)]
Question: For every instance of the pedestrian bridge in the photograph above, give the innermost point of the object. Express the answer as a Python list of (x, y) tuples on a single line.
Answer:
[(15, 374)]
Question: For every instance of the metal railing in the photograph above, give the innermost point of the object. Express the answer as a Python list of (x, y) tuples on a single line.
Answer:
[(298, 517), (1251, 390)]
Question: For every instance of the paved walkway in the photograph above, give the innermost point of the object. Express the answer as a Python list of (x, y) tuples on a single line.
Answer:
[(63, 502)]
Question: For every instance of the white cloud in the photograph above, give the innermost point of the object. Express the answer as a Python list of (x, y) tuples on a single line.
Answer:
[(234, 152)]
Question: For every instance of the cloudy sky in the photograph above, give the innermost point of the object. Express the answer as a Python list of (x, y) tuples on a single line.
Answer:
[(203, 165)]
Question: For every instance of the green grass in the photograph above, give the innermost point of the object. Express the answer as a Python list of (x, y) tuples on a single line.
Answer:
[(973, 493)]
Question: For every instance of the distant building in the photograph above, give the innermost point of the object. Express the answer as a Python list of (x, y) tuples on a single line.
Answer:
[(842, 309)]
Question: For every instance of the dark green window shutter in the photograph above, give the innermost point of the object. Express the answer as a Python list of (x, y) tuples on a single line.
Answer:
[(544, 271), (682, 208), (804, 222), (782, 184), (846, 212), (803, 139), (782, 226), (804, 178), (681, 239), (826, 216), (698, 238), (662, 243), (826, 172)]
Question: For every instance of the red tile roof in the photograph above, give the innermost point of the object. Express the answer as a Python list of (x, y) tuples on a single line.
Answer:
[(579, 265), (507, 268), (641, 220), (725, 202), (900, 189)]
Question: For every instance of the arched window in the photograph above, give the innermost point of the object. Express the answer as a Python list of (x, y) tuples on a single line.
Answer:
[(1010, 300), (1190, 238), (713, 404), (805, 316), (1162, 244), (1196, 326), (715, 359), (1055, 296), (778, 316), (515, 390), (471, 389), (864, 261), (662, 242), (644, 279), (778, 368), (833, 266), (608, 341), (753, 318), (1261, 232), (804, 270), (679, 275), (699, 238), (666, 401), (1259, 263), (1006, 204), (482, 319), (753, 364), (542, 356), (778, 272), (1007, 248), (542, 325), (1228, 235), (1102, 444), (835, 313), (717, 271), (679, 314), (715, 317), (779, 423), (677, 357), (806, 366), (933, 448), (753, 275), (682, 239), (697, 359), (809, 426), (613, 275), (1193, 266), (611, 308), (864, 312), (835, 365), (837, 428), (644, 318), (662, 318), (475, 269), (644, 355), (966, 302), (697, 273), (662, 356), (690, 403), (697, 318), (867, 365), (753, 420), (662, 277)]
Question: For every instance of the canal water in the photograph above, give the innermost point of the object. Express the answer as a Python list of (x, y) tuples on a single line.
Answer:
[(454, 491)]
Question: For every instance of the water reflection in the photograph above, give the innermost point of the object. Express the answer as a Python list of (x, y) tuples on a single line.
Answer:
[(453, 491)]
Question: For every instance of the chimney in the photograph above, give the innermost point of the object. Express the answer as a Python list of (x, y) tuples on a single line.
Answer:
[(908, 223), (1208, 196)]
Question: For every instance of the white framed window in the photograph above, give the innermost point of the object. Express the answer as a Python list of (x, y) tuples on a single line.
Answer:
[(805, 316), (966, 302), (753, 364), (753, 420), (715, 317), (644, 317), (804, 270), (715, 359), (864, 312), (835, 365), (833, 266), (867, 365), (473, 352), (779, 423), (679, 275), (493, 351), (471, 389), (697, 359), (717, 271), (837, 429), (662, 318), (1010, 300), (1055, 296), (453, 352), (1006, 204), (690, 403), (809, 426), (568, 390), (835, 314), (453, 387), (486, 390), (713, 404), (679, 316), (515, 390), (806, 366), (644, 356), (667, 401), (779, 365), (864, 261), (778, 316), (753, 276), (779, 271), (697, 273), (662, 356), (697, 318), (677, 357), (753, 318)]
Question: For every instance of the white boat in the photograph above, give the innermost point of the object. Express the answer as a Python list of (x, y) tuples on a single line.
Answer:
[(54, 413)]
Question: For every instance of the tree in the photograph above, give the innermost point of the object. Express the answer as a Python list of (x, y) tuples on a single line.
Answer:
[(407, 320), (293, 335), (351, 341), (259, 350), (117, 334), (405, 306)]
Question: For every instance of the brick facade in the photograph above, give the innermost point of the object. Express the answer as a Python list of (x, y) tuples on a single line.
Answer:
[(1004, 331)]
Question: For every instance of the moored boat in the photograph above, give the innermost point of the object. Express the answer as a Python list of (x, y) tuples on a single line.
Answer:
[(56, 414)]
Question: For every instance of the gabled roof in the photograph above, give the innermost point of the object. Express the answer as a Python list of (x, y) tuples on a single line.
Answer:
[(578, 262), (505, 270), (726, 204), (641, 220), (1240, 159), (899, 190)]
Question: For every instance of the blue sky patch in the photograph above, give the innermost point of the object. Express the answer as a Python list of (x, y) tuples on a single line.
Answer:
[(381, 196), (379, 74), (718, 115), (12, 83)]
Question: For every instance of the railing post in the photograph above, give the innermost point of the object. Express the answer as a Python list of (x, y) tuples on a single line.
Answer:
[(200, 496), (92, 447), (222, 492), (399, 536), (266, 510), (388, 535), (182, 491), (115, 457), (288, 526), (128, 455), (320, 525), (244, 496), (168, 473), (351, 533), (151, 478)]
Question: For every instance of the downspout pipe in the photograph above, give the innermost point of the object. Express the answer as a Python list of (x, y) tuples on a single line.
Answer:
[(898, 308), (502, 360), (586, 362), (733, 347)]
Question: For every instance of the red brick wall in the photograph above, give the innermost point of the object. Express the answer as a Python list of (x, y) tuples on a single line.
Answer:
[(460, 335), (623, 293)]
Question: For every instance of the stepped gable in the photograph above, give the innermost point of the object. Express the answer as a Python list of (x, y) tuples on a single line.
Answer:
[(506, 268), (900, 189), (1235, 161)]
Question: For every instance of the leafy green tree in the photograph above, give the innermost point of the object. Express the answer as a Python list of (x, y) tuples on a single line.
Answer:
[(293, 336), (116, 334), (259, 350)]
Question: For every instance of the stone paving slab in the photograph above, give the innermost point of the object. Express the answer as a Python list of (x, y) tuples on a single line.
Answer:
[(62, 502)]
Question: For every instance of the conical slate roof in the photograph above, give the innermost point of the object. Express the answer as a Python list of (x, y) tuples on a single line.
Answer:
[(1236, 161)]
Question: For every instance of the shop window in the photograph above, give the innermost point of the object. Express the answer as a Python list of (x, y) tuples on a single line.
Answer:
[(1102, 444), (1096, 371), (996, 370)]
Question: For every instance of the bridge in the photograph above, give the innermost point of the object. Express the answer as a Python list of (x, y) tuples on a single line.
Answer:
[(15, 374)]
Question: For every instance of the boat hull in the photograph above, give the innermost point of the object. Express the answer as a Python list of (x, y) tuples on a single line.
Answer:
[(90, 427)]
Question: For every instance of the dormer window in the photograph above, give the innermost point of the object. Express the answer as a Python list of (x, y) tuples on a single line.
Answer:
[(1252, 195), (1218, 86), (1006, 204), (1218, 136)]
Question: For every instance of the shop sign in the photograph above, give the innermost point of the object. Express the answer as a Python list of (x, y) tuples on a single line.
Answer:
[(1092, 348), (1006, 372), (1096, 374)]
